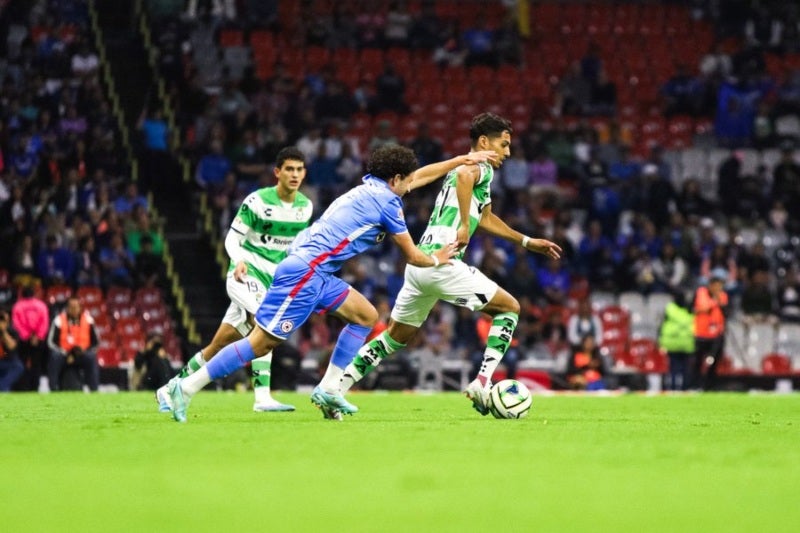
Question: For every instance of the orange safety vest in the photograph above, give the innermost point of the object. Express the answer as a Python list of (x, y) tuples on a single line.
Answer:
[(709, 321), (582, 359), (79, 334)]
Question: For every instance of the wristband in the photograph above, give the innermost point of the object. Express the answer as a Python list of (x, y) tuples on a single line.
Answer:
[(435, 260), (525, 241)]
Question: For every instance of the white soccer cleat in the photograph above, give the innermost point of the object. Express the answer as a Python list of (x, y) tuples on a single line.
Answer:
[(479, 396), (163, 399), (272, 406)]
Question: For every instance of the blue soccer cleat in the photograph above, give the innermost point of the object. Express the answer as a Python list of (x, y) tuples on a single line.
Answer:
[(179, 401), (332, 405)]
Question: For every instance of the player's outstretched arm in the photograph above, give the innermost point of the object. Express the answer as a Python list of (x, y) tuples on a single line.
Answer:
[(429, 173), (414, 256), (494, 225)]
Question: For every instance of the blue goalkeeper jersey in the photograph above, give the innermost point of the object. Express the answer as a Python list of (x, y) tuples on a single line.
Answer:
[(353, 223)]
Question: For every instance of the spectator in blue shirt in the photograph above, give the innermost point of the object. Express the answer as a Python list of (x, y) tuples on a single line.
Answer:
[(125, 203), (212, 168), (54, 264)]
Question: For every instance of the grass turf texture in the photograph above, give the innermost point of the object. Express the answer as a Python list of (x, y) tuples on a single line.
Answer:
[(406, 462)]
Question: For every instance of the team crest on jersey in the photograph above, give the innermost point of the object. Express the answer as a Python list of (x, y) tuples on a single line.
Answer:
[(380, 237), (286, 326)]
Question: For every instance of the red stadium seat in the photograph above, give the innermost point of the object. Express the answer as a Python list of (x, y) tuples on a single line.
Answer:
[(776, 364), (147, 296), (108, 357), (128, 326), (89, 295), (118, 295), (57, 294), (231, 38)]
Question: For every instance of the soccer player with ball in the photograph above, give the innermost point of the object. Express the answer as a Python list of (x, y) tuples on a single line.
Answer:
[(463, 205), (305, 281)]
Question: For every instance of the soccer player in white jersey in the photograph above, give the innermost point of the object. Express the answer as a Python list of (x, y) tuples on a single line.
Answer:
[(259, 238), (305, 282), (463, 205)]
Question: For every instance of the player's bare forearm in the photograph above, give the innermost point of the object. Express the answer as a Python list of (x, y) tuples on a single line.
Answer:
[(465, 183), (494, 225), (414, 256), (430, 173)]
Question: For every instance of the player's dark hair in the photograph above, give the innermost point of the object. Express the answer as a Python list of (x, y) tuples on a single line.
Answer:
[(290, 152), (488, 124), (390, 160)]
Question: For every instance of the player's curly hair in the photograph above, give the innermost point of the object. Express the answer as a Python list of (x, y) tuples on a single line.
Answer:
[(488, 124), (289, 153), (390, 160)]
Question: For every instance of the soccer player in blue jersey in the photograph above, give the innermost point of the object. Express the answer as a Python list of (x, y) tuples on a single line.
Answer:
[(304, 282)]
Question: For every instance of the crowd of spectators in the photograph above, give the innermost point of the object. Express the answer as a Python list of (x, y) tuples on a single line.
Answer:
[(624, 219), (70, 216)]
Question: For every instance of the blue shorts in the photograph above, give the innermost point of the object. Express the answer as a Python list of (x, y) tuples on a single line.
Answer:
[(295, 293)]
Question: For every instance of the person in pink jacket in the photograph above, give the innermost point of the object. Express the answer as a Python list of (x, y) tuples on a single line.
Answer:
[(31, 319)]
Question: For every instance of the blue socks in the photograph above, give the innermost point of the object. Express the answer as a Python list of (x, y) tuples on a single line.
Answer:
[(347, 345), (232, 357)]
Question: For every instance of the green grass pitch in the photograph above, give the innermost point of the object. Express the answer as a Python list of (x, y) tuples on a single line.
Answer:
[(406, 462)]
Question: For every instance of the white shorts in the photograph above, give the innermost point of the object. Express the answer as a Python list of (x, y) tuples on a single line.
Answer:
[(245, 298), (458, 284)]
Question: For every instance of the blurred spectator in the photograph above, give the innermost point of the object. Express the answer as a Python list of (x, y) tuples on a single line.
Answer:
[(247, 158), (789, 297), (582, 323), (450, 51), (54, 263), (84, 62), (127, 202), (73, 343), (426, 28), (690, 201), (604, 96), (554, 281), (716, 64), (508, 42), (87, 268), (758, 301), (384, 134), (214, 8), (591, 64), (682, 93), (370, 22), (212, 168), (427, 149), (310, 142), (670, 271), (156, 159), (573, 93), (585, 369), (344, 29), (148, 266), (116, 263), (543, 177), (152, 365), (11, 367), (736, 109), (350, 167), (710, 308), (480, 45), (763, 30), (398, 24), (335, 103), (390, 88), (135, 236), (654, 196), (23, 264), (786, 178), (788, 101), (676, 337), (31, 319), (729, 183)]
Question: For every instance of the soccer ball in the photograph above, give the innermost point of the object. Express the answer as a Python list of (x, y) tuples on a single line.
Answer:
[(509, 399)]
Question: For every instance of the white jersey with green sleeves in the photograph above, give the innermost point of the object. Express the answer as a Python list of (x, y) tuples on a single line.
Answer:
[(444, 221), (269, 226)]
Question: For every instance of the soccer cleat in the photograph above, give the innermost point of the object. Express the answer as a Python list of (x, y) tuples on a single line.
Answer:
[(479, 395), (332, 404), (272, 406), (163, 399), (179, 402)]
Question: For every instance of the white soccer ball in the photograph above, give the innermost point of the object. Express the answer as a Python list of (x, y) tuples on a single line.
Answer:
[(510, 399)]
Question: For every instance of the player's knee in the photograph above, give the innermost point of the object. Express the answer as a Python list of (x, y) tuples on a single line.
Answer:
[(511, 306), (370, 317)]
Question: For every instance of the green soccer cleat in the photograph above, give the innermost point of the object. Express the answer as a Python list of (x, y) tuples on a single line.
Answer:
[(332, 405), (479, 395)]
